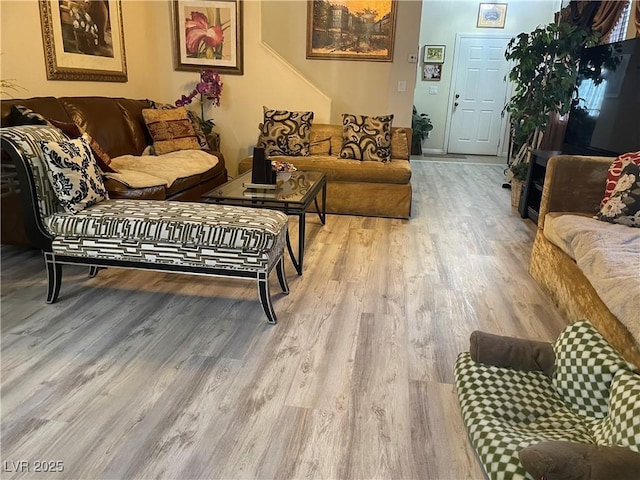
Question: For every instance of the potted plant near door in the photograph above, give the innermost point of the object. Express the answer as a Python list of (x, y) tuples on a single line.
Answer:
[(421, 126), (544, 75)]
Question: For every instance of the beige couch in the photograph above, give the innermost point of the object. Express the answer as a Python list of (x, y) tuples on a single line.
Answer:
[(355, 187), (573, 189)]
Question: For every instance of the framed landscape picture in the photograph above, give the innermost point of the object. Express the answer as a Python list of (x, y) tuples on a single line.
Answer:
[(351, 29), (434, 54), (83, 40), (208, 34)]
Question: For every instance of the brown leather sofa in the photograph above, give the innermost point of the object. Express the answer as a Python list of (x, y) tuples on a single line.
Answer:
[(119, 128)]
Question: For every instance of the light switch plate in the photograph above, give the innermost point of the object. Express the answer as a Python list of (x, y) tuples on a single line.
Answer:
[(402, 86), (433, 90)]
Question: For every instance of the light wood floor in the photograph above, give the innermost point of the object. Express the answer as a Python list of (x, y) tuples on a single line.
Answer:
[(148, 375)]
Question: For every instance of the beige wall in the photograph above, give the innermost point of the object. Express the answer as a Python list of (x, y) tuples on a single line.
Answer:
[(148, 42), (363, 87)]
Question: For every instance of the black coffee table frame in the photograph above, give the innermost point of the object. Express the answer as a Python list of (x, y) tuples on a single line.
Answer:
[(292, 197)]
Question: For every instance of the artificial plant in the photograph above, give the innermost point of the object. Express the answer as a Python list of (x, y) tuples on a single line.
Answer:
[(544, 76)]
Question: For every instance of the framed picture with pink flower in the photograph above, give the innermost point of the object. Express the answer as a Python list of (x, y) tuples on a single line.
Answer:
[(208, 34)]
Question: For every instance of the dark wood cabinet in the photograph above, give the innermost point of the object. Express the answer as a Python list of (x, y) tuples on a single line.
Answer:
[(532, 191)]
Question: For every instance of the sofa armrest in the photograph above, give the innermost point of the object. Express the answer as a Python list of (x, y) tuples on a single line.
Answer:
[(573, 184), (511, 352), (557, 460)]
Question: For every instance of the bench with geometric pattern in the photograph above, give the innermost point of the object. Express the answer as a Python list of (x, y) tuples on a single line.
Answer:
[(143, 234)]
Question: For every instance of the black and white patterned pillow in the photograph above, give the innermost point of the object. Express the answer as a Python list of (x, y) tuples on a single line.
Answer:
[(74, 174), (585, 366), (623, 206), (285, 133), (366, 138)]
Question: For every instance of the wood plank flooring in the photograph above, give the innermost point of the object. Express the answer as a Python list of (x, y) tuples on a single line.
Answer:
[(143, 375)]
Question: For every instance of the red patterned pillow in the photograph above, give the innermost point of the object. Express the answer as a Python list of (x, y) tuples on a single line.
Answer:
[(614, 172)]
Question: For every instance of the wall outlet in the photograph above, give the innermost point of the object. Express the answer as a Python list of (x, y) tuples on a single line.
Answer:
[(402, 86)]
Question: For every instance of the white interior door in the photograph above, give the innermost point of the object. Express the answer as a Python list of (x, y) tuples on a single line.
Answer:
[(479, 94)]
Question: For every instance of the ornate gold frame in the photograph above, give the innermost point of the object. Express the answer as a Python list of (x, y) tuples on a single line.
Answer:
[(62, 65)]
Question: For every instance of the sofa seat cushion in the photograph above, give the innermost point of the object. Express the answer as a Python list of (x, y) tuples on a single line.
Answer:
[(185, 167), (169, 232), (347, 170), (609, 257), (506, 410)]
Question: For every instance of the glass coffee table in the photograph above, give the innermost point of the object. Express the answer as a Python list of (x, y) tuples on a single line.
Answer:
[(292, 197)]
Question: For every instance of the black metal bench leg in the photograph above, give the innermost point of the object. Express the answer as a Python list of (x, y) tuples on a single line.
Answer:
[(93, 271), (54, 277), (282, 277), (265, 297)]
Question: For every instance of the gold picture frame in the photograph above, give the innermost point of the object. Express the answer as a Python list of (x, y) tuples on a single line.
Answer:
[(492, 15), (351, 29), (83, 41), (208, 34)]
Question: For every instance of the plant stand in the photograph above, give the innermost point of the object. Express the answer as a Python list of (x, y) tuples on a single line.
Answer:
[(516, 192)]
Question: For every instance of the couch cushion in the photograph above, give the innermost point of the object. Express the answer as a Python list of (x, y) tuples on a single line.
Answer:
[(74, 174), (366, 138), (623, 206), (585, 366), (614, 172), (346, 170), (285, 133), (103, 119), (170, 129), (169, 232)]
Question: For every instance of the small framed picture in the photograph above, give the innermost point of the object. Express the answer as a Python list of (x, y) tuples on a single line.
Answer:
[(432, 72), (433, 54), (492, 15)]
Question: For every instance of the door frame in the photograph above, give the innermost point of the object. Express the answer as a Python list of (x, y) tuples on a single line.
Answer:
[(502, 149)]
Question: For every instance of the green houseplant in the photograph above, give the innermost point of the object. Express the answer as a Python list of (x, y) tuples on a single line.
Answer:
[(421, 126), (544, 75)]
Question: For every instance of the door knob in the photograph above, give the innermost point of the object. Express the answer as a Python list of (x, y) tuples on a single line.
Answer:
[(457, 96), (455, 104)]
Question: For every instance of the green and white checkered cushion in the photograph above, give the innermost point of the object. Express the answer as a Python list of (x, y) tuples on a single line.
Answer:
[(506, 410), (585, 366), (622, 425)]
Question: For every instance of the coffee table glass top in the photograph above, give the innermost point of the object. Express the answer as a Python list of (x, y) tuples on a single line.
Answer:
[(301, 189)]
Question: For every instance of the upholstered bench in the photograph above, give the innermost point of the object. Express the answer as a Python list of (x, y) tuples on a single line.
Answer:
[(144, 234)]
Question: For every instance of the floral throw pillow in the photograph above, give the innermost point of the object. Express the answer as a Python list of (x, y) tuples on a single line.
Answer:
[(285, 133), (170, 129), (366, 138), (74, 174), (614, 172), (624, 204)]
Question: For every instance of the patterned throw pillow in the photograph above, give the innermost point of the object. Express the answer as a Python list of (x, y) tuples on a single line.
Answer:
[(171, 130), (366, 138), (72, 131), (195, 123), (585, 366), (622, 425), (614, 172), (74, 174), (623, 206), (285, 133)]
